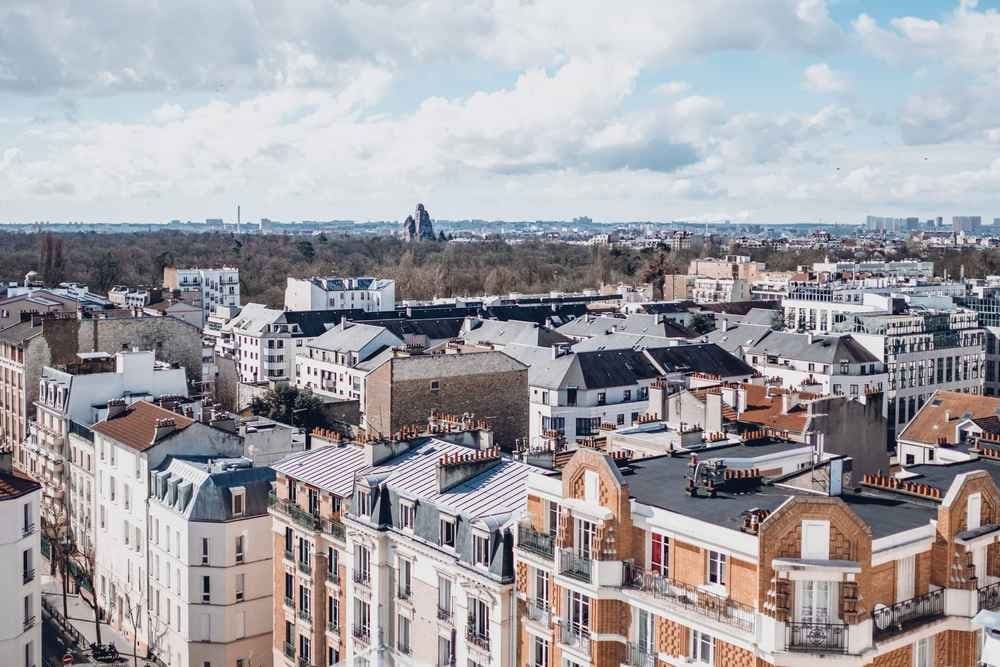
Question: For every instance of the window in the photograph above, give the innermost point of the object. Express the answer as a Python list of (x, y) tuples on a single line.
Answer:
[(541, 589), (313, 502), (923, 652), (481, 548), (659, 561), (571, 396), (816, 601), (240, 584), (602, 397), (289, 540), (479, 618), (333, 610), (403, 636), (540, 653), (444, 597), (405, 515), (289, 589), (291, 490), (364, 504), (332, 560), (362, 563), (362, 618), (305, 599), (627, 395), (240, 555), (552, 517), (447, 534), (545, 398), (206, 589), (716, 568), (644, 632), (405, 578), (583, 541), (446, 652), (239, 500), (435, 385), (579, 613), (304, 649), (204, 549), (702, 648)]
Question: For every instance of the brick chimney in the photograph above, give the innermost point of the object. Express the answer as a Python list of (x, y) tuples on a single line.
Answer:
[(454, 469), (164, 427), (116, 408)]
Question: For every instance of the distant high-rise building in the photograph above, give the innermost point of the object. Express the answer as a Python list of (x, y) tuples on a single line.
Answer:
[(966, 223)]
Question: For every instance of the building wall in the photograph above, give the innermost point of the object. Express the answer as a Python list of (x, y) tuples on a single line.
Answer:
[(16, 633)]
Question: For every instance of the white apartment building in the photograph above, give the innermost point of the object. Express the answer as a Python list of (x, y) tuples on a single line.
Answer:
[(923, 351), (333, 364), (21, 624), (210, 562), (70, 399), (820, 308), (123, 296), (907, 268), (720, 290), (400, 551), (330, 293), (218, 287), (130, 443)]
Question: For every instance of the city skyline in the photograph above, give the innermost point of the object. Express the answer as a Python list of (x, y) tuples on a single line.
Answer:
[(783, 111)]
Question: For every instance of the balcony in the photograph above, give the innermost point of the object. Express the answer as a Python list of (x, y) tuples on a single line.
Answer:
[(305, 567), (332, 576), (289, 602), (361, 635), (540, 544), (289, 650), (687, 598), (908, 614), (303, 662), (989, 597), (361, 576), (639, 656), (817, 637), (335, 528), (577, 567), (304, 615), (444, 614), (539, 611), (575, 637), (404, 593), (475, 637), (289, 554), (333, 627)]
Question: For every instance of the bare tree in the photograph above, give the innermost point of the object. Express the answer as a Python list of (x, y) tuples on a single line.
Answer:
[(56, 530), (86, 563), (133, 614)]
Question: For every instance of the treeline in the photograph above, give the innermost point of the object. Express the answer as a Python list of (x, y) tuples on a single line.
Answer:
[(421, 270)]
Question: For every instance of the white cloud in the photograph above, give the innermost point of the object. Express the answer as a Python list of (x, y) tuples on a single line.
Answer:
[(671, 88), (821, 78)]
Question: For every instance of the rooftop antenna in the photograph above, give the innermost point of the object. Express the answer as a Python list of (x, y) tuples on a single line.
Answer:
[(237, 219)]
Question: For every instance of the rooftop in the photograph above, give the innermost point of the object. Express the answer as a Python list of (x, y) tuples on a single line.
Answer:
[(136, 427), (943, 411)]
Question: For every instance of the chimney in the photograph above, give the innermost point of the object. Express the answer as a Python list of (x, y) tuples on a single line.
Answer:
[(116, 408), (788, 401), (454, 469), (809, 338), (947, 415), (164, 427), (725, 325), (559, 349)]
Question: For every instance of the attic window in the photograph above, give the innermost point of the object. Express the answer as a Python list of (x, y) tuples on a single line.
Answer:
[(239, 500), (435, 385), (481, 549), (447, 532)]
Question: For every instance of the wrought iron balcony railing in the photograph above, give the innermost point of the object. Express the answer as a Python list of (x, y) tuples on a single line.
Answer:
[(989, 596), (638, 655), (817, 637), (572, 565), (687, 598), (541, 544), (576, 636), (902, 616)]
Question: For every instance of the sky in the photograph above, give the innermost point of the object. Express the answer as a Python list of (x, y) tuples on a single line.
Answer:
[(759, 110)]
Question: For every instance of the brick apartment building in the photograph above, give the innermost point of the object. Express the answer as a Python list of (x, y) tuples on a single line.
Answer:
[(618, 564), (405, 388)]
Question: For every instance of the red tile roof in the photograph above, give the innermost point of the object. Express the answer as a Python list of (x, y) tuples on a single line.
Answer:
[(136, 427), (764, 408), (930, 422)]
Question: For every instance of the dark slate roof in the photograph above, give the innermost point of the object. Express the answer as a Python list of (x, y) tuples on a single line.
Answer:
[(315, 323), (211, 497), (941, 476), (738, 307), (661, 482), (536, 313), (437, 328), (614, 368), (701, 358), (666, 307)]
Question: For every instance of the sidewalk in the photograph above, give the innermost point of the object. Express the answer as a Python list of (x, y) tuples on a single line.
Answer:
[(82, 618)]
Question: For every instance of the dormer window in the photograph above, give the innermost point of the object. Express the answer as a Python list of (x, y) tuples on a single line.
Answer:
[(239, 501), (481, 549), (447, 532), (364, 498), (406, 512)]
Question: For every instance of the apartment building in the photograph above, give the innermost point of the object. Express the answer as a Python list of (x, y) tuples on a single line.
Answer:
[(404, 389), (401, 550), (333, 364), (20, 551), (720, 290), (123, 296), (210, 562), (573, 394), (674, 561), (363, 293), (948, 428), (59, 448), (50, 340), (923, 350), (730, 266), (131, 442), (218, 287), (661, 325), (813, 363), (819, 308), (906, 268)]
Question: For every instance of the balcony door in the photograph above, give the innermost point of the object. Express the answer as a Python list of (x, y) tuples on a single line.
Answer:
[(579, 613), (816, 602), (583, 538), (644, 632)]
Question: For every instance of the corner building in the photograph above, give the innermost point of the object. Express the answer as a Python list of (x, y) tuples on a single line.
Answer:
[(617, 564)]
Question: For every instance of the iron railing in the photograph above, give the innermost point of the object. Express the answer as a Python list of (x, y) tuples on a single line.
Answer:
[(539, 611), (576, 637), (29, 575), (907, 614), (361, 635), (638, 655), (575, 566), (305, 566), (541, 544), (444, 614), (333, 576), (361, 576), (335, 528), (476, 637), (817, 637), (304, 615), (687, 598), (289, 650), (333, 626), (289, 602), (989, 596)]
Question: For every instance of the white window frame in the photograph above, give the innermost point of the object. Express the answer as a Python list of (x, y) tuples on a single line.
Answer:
[(481, 549), (239, 494), (716, 565), (449, 521), (407, 510), (700, 644)]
